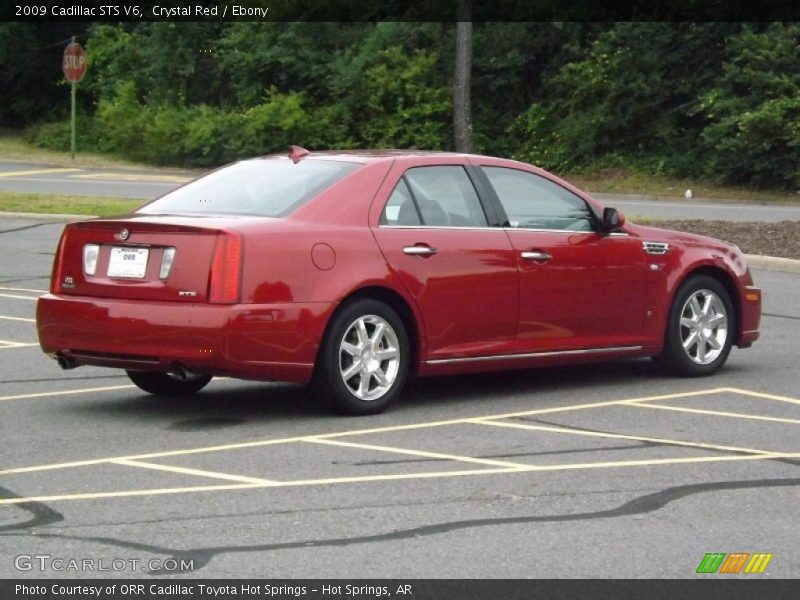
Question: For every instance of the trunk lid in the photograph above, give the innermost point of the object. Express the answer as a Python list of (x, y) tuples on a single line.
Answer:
[(131, 261)]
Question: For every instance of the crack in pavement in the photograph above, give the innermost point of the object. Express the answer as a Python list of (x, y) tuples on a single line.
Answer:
[(764, 314), (200, 557)]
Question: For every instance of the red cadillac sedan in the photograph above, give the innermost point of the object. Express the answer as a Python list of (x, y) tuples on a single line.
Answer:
[(354, 270)]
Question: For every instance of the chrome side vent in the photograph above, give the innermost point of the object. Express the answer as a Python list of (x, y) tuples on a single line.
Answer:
[(655, 248)]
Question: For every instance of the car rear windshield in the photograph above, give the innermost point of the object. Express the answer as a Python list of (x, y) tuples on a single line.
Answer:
[(270, 187)]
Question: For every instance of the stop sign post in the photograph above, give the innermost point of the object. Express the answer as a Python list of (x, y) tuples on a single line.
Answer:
[(74, 67)]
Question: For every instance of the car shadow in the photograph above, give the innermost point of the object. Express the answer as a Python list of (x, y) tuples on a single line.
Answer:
[(237, 403), (523, 382)]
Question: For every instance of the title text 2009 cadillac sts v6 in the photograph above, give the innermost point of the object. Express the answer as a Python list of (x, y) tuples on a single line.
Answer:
[(354, 270)]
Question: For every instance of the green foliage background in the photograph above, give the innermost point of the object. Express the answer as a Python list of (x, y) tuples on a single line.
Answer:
[(714, 100)]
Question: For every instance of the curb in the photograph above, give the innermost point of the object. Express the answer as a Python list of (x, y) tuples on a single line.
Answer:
[(45, 216), (756, 261), (773, 263)]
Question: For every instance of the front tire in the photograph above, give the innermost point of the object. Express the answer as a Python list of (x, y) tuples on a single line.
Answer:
[(364, 359), (168, 385), (700, 329)]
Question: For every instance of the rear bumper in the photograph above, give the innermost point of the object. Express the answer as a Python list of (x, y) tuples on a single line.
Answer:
[(276, 342)]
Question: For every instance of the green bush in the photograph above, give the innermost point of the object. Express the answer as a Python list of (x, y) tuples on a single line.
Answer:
[(54, 136), (630, 94), (120, 123), (404, 107), (273, 125)]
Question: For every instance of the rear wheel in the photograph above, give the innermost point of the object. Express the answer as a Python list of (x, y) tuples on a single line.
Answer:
[(700, 330), (364, 359), (166, 384)]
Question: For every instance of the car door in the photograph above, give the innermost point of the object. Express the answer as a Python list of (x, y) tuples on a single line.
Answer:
[(579, 288), (434, 233)]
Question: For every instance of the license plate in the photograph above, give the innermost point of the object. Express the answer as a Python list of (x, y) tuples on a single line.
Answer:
[(128, 262)]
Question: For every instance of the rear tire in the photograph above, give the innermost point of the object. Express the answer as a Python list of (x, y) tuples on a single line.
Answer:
[(700, 329), (168, 385), (364, 359)]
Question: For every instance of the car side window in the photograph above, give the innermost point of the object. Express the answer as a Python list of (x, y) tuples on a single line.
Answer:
[(445, 197), (400, 208), (533, 202)]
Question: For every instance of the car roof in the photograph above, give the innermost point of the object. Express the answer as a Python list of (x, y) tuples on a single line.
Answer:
[(373, 155)]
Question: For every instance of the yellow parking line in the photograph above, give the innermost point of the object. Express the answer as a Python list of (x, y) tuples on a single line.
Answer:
[(11, 345), (665, 461), (17, 319), (619, 436), (392, 477), (16, 297), (300, 482), (718, 413), (36, 172), (352, 432), (66, 393), (100, 461), (187, 471), (16, 289), (400, 476), (422, 453), (763, 395), (524, 413), (128, 493)]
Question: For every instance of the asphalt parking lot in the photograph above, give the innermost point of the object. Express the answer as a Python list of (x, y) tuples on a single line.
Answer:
[(607, 470)]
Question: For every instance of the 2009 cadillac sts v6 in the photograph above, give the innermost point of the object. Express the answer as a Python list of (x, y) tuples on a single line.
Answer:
[(354, 270)]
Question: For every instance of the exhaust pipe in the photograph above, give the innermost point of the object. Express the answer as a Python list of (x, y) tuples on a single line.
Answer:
[(181, 372), (65, 362)]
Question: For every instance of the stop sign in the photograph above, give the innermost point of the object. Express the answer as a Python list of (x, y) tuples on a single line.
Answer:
[(74, 64)]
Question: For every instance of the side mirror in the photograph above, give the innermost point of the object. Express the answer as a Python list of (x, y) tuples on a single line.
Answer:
[(613, 219)]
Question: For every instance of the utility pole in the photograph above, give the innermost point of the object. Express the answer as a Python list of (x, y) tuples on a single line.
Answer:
[(462, 104)]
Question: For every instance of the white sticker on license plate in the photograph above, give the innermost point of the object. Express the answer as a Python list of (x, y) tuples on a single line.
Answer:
[(128, 262)]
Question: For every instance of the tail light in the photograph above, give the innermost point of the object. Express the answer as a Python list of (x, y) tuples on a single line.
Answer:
[(90, 254), (226, 270), (167, 258), (56, 278)]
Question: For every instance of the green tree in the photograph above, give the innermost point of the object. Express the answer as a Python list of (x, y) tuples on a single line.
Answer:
[(753, 135), (630, 97)]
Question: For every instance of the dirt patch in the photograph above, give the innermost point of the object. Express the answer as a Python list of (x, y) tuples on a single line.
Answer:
[(770, 239)]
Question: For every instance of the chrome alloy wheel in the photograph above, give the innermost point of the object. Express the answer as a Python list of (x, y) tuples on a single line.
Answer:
[(703, 326), (369, 357)]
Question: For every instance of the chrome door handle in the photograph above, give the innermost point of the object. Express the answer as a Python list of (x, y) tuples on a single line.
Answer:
[(536, 255), (419, 250)]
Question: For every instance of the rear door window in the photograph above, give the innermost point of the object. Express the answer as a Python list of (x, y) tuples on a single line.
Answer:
[(441, 196)]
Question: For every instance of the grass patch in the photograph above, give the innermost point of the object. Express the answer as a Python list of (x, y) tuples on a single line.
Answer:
[(622, 181), (14, 148), (66, 205)]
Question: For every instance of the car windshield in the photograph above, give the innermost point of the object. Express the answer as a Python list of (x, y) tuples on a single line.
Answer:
[(270, 187)]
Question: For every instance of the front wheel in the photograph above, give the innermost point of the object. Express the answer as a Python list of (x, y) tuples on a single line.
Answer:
[(700, 329), (166, 384), (364, 358)]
